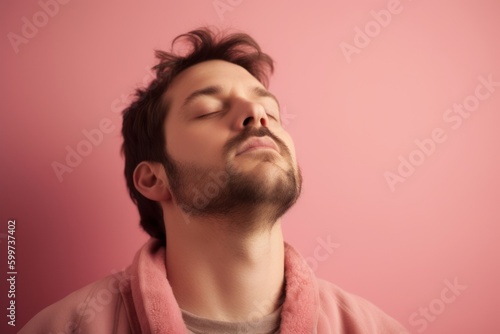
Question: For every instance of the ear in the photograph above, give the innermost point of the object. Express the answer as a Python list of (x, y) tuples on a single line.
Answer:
[(151, 181)]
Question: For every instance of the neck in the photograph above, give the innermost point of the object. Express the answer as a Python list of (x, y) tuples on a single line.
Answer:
[(220, 274)]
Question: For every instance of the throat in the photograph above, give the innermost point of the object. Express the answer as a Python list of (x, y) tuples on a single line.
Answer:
[(223, 278)]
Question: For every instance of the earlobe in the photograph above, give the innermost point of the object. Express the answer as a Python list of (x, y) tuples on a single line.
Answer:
[(150, 180)]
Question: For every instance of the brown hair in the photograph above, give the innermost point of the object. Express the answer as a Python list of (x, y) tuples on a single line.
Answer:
[(142, 128)]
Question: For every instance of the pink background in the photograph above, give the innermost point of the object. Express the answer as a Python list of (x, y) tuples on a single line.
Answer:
[(351, 120)]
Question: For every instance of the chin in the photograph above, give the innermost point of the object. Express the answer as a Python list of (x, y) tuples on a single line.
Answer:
[(267, 163)]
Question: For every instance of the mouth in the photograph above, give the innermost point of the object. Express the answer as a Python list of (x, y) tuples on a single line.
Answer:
[(257, 143)]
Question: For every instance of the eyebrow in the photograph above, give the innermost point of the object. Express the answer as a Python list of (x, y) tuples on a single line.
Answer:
[(207, 91), (214, 90), (259, 91)]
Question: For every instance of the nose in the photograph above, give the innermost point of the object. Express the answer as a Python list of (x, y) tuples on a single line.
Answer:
[(250, 114)]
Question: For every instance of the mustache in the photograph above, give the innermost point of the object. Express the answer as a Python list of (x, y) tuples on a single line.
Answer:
[(254, 132)]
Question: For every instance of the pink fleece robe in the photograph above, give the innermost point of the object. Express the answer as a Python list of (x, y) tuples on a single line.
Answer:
[(140, 300)]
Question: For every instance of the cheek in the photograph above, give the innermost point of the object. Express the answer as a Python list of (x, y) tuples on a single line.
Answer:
[(287, 139), (189, 144)]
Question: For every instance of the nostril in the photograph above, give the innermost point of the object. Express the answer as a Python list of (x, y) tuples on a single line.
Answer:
[(247, 120)]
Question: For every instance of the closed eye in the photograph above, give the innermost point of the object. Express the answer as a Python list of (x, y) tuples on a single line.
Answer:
[(207, 115), (272, 116)]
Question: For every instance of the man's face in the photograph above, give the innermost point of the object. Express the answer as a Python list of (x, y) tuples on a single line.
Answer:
[(216, 109)]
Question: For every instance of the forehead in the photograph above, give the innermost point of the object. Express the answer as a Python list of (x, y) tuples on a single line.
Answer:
[(209, 73)]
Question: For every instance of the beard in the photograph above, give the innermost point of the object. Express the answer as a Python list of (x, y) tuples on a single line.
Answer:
[(227, 192)]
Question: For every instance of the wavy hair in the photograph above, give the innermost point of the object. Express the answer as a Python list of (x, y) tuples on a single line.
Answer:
[(142, 127)]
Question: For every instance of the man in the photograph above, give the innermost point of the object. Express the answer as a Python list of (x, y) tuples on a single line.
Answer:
[(212, 171)]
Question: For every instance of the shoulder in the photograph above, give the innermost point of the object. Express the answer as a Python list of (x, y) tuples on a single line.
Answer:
[(343, 312), (96, 307)]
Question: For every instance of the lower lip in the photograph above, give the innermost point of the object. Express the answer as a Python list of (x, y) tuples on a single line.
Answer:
[(258, 148)]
